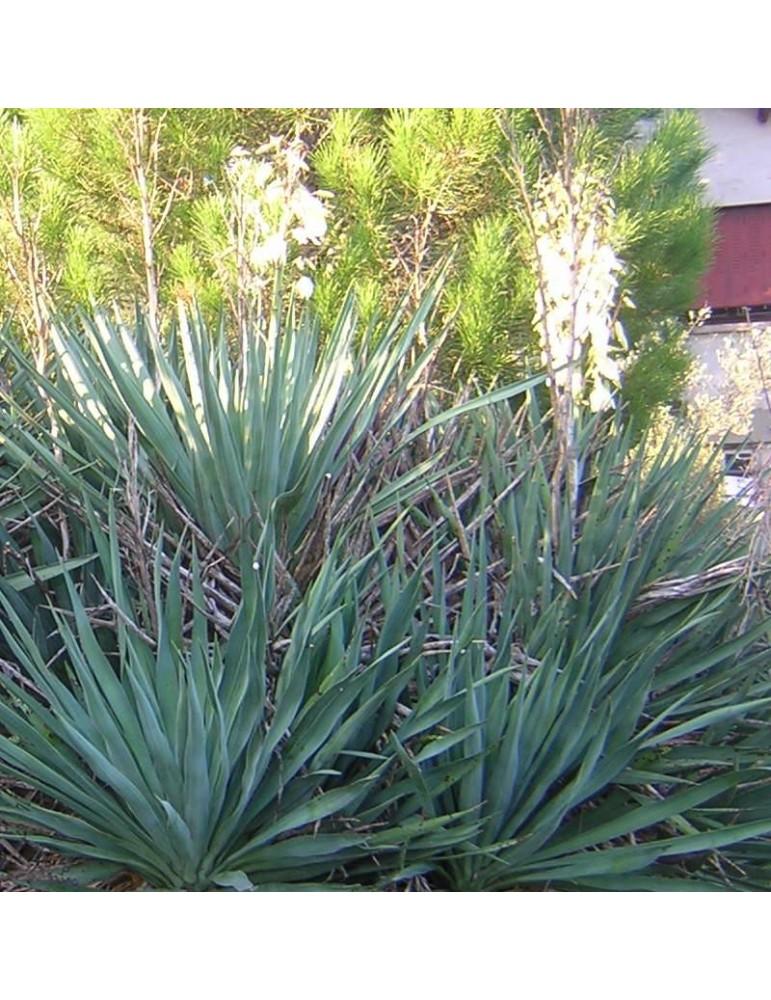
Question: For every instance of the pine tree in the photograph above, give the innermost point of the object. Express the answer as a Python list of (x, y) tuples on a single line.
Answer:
[(413, 185)]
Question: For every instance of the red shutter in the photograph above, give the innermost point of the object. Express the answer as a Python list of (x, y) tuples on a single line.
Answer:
[(740, 274)]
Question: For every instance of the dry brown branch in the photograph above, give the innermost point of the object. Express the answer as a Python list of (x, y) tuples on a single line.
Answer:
[(18, 678), (675, 589)]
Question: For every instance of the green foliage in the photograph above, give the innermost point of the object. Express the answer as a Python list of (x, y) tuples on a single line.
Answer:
[(665, 229), (657, 375), (34, 211), (243, 444), (407, 188), (479, 301), (414, 184), (92, 241), (275, 619), (583, 680), (186, 764), (276, 611)]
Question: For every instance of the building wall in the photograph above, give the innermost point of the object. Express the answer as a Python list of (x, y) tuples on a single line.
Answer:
[(706, 345), (739, 170), (737, 180)]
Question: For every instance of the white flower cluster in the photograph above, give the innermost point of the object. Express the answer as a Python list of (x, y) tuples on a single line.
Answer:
[(276, 212), (577, 288)]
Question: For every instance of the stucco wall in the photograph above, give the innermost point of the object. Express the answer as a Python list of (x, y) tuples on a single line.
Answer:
[(739, 170)]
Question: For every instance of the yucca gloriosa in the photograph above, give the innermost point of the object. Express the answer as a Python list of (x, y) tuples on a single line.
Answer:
[(288, 619)]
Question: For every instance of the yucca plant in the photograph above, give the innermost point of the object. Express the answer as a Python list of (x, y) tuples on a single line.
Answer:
[(297, 433), (440, 709), (194, 763), (125, 441), (290, 619), (572, 664), (236, 441)]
